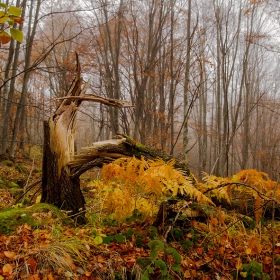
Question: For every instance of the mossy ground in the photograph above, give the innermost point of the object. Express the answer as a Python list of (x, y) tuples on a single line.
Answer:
[(35, 216), (16, 174)]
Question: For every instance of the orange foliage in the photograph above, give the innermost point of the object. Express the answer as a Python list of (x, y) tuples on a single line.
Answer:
[(263, 184)]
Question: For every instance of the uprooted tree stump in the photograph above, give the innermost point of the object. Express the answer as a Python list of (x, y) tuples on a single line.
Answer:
[(62, 169)]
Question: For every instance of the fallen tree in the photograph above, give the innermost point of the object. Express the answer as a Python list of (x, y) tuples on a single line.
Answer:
[(62, 168)]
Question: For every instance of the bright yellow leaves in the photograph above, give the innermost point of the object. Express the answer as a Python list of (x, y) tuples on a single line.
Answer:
[(130, 184), (217, 185), (263, 188), (3, 17), (254, 185)]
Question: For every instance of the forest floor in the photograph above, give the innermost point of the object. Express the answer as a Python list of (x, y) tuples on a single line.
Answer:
[(39, 242)]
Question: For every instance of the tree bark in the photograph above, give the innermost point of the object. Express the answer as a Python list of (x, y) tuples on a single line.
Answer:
[(20, 119), (9, 88), (60, 190), (186, 83)]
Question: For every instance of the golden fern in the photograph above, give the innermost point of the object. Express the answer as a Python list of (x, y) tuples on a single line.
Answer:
[(130, 183), (212, 183), (223, 188), (263, 185)]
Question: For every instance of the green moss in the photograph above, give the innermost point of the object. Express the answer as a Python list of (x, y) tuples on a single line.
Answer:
[(16, 191), (21, 167), (44, 207), (12, 218), (129, 140), (12, 184), (26, 201), (141, 147), (7, 163), (36, 170)]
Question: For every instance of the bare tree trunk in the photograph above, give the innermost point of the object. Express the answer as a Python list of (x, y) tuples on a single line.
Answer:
[(248, 95), (172, 80), (109, 49), (145, 62), (20, 120), (202, 121), (186, 82), (58, 187), (9, 93), (226, 60)]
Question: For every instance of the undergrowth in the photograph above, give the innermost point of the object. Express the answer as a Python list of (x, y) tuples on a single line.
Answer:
[(194, 239)]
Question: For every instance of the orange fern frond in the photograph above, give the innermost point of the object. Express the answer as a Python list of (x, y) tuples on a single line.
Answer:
[(142, 183)]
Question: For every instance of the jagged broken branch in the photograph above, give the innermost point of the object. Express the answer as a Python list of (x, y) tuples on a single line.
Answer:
[(99, 99)]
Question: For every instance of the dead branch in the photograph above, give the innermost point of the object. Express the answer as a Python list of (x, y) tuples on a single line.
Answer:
[(98, 162), (261, 194), (106, 101), (122, 147)]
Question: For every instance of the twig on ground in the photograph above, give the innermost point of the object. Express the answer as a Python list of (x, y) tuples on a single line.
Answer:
[(28, 178), (261, 194), (27, 190), (176, 218)]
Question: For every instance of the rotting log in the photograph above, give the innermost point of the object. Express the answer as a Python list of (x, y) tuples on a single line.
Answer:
[(109, 150)]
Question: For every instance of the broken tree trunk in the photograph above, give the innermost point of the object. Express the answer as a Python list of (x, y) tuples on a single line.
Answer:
[(58, 186)]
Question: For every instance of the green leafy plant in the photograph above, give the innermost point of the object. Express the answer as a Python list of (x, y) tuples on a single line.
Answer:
[(252, 270), (9, 15), (158, 259), (123, 237)]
